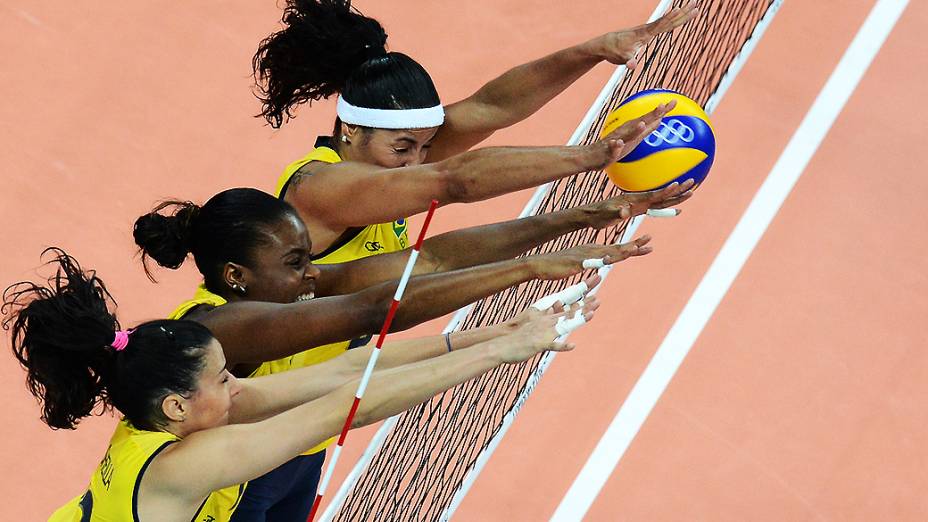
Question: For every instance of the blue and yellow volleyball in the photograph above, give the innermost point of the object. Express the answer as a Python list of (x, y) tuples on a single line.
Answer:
[(681, 148)]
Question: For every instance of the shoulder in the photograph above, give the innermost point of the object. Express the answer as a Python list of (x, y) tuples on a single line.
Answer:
[(199, 312)]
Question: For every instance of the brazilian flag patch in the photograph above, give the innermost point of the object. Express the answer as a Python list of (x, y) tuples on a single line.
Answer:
[(399, 227)]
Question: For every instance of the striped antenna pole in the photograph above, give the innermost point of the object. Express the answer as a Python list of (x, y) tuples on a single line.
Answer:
[(375, 353)]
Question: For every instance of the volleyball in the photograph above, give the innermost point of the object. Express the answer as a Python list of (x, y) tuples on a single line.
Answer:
[(681, 148)]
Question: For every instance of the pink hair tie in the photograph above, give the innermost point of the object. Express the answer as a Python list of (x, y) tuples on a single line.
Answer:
[(121, 340)]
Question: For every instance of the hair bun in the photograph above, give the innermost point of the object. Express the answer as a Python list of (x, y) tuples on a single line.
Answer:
[(167, 238)]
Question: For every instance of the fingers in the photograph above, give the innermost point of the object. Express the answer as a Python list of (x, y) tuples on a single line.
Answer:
[(673, 19), (590, 305), (671, 191), (561, 347), (635, 248), (624, 251), (637, 130), (672, 195), (616, 147), (654, 117), (642, 241), (593, 281)]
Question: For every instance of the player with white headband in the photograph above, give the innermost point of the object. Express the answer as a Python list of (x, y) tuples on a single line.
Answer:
[(395, 147)]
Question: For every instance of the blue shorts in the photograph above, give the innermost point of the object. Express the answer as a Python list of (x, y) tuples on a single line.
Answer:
[(284, 494)]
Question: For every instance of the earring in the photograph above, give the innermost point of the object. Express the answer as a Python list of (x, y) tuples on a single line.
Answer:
[(344, 139), (238, 288)]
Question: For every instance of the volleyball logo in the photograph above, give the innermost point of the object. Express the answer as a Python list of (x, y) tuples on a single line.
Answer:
[(681, 148), (670, 133)]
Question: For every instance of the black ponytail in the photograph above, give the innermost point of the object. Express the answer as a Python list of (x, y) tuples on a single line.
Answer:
[(166, 238), (62, 334), (228, 228), (328, 47)]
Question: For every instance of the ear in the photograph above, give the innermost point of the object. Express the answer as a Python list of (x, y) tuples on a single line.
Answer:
[(351, 132), (235, 277), (175, 407)]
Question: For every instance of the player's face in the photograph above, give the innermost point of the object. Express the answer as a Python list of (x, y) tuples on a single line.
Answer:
[(395, 148), (282, 271), (209, 406)]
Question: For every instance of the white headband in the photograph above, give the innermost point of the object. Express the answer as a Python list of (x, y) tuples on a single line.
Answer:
[(390, 118)]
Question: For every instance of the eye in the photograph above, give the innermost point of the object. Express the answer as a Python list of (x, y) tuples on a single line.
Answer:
[(400, 150)]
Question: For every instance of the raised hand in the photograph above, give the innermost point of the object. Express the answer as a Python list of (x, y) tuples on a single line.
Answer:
[(622, 141), (536, 333), (613, 211), (591, 304), (622, 47), (558, 265)]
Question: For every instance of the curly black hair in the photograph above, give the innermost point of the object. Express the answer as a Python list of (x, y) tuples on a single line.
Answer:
[(62, 335), (327, 47)]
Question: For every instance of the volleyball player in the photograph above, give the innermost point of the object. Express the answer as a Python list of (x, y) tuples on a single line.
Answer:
[(191, 433), (394, 146)]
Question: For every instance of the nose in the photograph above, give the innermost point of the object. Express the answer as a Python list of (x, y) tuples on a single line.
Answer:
[(312, 272), (235, 387)]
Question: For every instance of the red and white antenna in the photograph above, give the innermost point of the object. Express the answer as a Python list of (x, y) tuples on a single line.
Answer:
[(372, 361)]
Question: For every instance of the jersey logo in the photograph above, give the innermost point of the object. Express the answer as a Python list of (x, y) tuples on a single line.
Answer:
[(399, 227), (373, 246)]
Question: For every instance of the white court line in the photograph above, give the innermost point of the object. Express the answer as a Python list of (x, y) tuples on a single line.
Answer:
[(731, 258)]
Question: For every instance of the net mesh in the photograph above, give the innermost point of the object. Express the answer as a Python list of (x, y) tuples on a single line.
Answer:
[(425, 459)]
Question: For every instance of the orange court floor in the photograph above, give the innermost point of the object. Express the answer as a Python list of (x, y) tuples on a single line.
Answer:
[(802, 399)]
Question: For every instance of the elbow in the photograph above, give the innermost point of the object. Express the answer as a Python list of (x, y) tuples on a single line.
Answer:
[(456, 185), (362, 418), (375, 313)]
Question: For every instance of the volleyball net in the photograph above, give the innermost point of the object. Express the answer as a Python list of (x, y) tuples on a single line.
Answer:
[(420, 464)]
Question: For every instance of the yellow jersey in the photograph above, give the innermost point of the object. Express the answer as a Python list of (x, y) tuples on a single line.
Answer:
[(113, 490), (354, 243)]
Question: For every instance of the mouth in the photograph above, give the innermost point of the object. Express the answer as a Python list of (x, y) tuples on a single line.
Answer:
[(305, 297)]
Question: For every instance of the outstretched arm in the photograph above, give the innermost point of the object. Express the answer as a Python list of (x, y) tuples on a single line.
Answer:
[(254, 332), (263, 397), (500, 241), (199, 464), (350, 194), (521, 91)]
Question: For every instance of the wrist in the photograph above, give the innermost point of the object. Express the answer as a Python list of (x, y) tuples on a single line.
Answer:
[(494, 350), (595, 155), (531, 267), (590, 50), (582, 217)]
